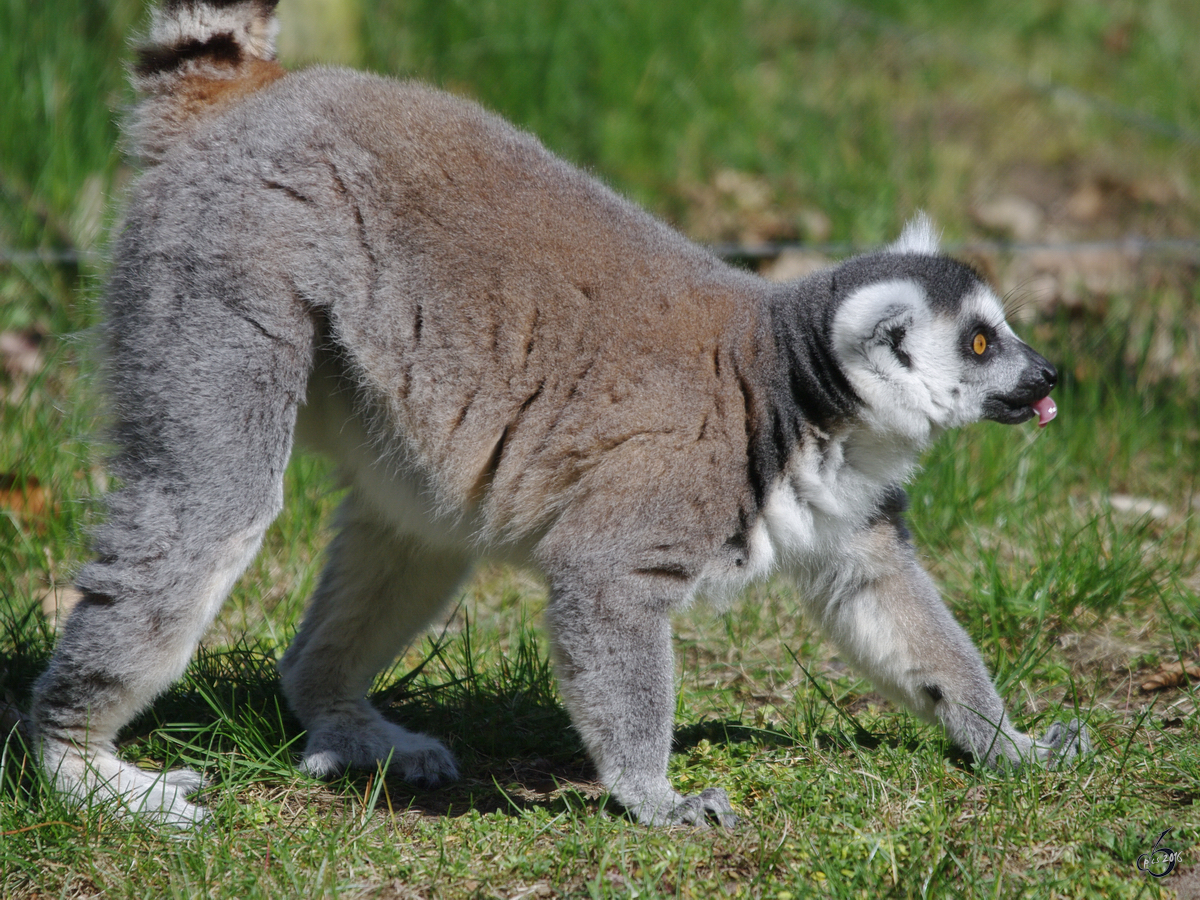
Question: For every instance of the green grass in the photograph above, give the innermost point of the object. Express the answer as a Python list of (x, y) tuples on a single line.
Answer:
[(748, 120)]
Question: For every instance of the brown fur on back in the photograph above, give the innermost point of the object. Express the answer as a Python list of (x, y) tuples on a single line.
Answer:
[(591, 339)]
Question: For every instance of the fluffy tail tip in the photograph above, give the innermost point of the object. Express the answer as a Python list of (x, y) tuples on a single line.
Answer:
[(208, 33)]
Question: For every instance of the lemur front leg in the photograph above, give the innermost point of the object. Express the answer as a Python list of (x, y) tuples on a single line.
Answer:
[(612, 590), (887, 619)]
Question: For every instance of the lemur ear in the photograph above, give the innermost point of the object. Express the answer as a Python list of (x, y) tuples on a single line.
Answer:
[(894, 322), (920, 236), (891, 330)]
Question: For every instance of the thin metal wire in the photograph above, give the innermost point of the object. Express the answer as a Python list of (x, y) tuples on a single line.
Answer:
[(1133, 246), (67, 257), (852, 12)]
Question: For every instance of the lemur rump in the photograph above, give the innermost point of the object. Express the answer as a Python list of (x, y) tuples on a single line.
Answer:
[(506, 358)]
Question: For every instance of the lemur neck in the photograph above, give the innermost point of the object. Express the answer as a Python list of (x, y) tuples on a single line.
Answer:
[(802, 388), (812, 383)]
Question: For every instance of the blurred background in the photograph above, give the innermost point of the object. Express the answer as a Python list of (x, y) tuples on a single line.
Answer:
[(1056, 142)]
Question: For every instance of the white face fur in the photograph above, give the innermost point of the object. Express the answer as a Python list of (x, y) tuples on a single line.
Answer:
[(912, 362)]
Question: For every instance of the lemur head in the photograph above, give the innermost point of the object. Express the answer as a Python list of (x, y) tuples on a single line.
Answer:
[(923, 341)]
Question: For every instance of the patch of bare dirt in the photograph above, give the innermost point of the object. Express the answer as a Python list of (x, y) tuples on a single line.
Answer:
[(750, 210)]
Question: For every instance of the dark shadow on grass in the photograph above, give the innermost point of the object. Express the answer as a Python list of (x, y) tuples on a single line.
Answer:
[(26, 640), (731, 732), (513, 740), (515, 744), (489, 786)]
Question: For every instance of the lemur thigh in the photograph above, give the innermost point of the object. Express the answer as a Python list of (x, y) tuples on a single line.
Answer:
[(889, 621), (378, 592)]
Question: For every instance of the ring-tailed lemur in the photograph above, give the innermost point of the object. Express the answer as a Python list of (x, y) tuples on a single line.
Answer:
[(506, 358)]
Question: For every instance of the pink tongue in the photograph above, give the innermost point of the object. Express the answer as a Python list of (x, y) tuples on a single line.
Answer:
[(1046, 411)]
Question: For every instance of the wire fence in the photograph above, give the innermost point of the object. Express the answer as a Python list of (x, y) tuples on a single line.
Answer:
[(1134, 246), (1130, 246), (10, 257)]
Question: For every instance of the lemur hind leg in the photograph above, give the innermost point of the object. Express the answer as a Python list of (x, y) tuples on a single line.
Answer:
[(379, 590), (204, 409)]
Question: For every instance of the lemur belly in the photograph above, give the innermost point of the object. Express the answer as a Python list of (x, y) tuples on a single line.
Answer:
[(329, 423)]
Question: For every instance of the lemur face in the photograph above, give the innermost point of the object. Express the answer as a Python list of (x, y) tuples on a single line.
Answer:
[(923, 340)]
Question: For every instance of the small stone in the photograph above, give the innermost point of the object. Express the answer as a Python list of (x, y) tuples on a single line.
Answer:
[(1139, 506), (792, 264), (1012, 215)]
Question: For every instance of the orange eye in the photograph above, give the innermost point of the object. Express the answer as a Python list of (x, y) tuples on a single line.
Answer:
[(979, 344)]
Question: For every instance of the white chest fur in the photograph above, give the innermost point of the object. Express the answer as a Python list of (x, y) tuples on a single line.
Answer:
[(829, 491), (831, 488)]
